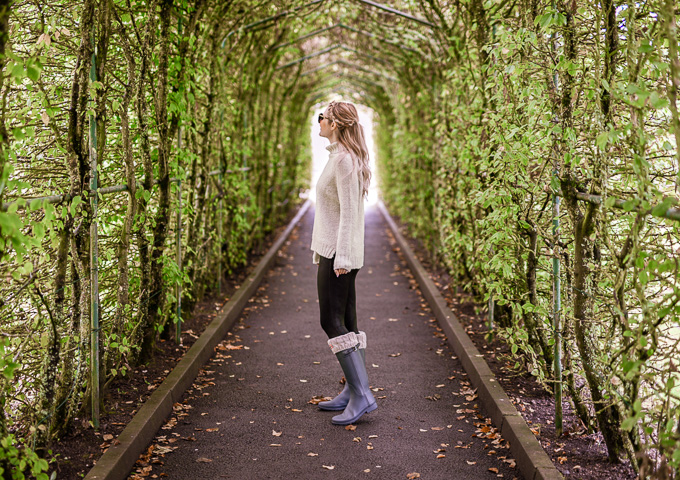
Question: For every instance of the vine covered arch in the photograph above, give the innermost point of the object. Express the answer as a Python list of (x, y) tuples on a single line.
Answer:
[(148, 147)]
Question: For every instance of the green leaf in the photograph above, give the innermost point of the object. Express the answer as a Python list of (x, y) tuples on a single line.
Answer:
[(629, 205), (628, 424), (18, 133), (74, 204), (33, 73), (601, 140)]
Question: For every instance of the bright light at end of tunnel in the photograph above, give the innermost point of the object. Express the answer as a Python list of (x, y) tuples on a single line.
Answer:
[(320, 154)]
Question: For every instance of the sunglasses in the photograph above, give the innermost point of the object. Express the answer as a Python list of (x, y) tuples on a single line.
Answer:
[(321, 117)]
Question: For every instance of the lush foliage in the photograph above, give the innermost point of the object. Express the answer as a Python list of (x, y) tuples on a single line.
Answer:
[(177, 98), (536, 99)]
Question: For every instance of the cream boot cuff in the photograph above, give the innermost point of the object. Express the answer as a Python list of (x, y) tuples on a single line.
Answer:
[(361, 336), (343, 342)]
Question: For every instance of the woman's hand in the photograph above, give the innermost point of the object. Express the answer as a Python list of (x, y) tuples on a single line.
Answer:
[(339, 271)]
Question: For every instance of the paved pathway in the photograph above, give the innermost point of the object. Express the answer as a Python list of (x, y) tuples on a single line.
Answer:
[(248, 415)]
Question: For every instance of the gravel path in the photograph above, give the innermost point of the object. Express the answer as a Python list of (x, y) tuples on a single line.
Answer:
[(248, 416)]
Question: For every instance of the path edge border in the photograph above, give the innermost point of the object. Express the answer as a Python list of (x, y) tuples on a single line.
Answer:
[(119, 459), (532, 460)]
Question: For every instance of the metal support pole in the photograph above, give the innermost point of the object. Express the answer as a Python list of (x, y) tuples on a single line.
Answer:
[(557, 306), (220, 191), (557, 301), (492, 304), (178, 325), (94, 269)]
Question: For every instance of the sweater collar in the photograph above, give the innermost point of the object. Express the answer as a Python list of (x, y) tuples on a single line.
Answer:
[(335, 147)]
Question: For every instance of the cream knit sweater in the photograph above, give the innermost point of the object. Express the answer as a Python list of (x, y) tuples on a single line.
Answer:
[(339, 216)]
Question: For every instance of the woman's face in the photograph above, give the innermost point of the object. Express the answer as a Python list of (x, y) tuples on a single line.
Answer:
[(326, 125)]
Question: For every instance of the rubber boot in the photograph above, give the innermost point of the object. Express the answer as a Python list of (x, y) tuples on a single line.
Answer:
[(360, 397), (340, 402)]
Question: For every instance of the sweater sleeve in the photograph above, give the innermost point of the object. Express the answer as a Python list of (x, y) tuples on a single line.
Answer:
[(348, 195)]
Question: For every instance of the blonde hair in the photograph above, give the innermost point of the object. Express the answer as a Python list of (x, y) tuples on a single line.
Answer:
[(351, 136)]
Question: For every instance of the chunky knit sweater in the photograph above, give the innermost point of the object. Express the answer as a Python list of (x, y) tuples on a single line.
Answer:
[(339, 216)]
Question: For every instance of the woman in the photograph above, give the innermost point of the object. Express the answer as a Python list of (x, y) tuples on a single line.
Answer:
[(338, 245)]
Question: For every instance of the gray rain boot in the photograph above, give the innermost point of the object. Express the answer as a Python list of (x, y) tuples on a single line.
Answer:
[(360, 397), (340, 402)]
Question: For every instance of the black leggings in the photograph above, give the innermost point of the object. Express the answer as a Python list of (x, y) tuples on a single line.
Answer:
[(337, 299)]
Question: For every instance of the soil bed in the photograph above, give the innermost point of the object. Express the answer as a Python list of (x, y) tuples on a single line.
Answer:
[(78, 450), (575, 454)]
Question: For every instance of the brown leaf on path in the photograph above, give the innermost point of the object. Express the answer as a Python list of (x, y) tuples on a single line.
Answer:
[(351, 428), (441, 455), (312, 454), (276, 434), (107, 437), (470, 463), (212, 429), (561, 460), (394, 354), (318, 398), (328, 467), (493, 469), (412, 475), (204, 460)]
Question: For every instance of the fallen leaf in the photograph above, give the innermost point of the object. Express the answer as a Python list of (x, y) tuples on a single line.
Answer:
[(356, 439), (204, 460), (470, 463), (312, 454), (441, 455), (318, 398), (276, 434), (274, 444), (394, 354), (493, 469), (107, 437), (212, 429), (412, 475), (561, 460), (328, 467), (351, 428), (437, 428)]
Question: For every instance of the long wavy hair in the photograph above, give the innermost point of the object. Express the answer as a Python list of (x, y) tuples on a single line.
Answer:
[(351, 136)]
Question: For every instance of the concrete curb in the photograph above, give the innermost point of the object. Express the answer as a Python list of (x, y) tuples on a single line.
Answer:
[(117, 462), (532, 461)]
